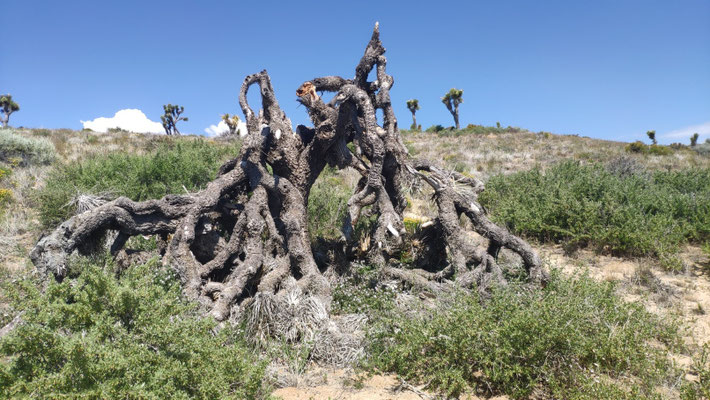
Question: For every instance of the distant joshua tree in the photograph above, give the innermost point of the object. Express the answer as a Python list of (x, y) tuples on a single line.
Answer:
[(413, 106), (451, 100), (232, 123), (694, 139), (7, 107), (652, 136), (171, 118)]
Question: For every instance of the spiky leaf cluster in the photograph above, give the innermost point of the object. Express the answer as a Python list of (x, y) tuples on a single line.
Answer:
[(232, 123), (171, 118), (652, 135), (7, 107), (454, 96), (413, 105)]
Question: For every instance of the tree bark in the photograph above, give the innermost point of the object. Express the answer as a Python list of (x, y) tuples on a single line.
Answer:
[(260, 200), (456, 117)]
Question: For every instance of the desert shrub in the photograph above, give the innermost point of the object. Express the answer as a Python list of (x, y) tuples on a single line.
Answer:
[(483, 130), (5, 173), (173, 167), (134, 337), (660, 150), (636, 147), (654, 149), (5, 193), (703, 149), (117, 130), (589, 205), (472, 129), (41, 132), (19, 149), (5, 198), (624, 166), (360, 294), (435, 128), (328, 205), (573, 339), (700, 388)]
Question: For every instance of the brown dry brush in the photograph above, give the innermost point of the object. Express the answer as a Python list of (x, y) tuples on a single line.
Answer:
[(246, 234)]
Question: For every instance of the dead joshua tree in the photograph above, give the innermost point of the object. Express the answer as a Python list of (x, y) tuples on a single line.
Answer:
[(267, 251)]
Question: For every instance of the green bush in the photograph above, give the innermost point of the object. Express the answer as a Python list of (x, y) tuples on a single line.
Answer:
[(660, 150), (435, 129), (655, 149), (700, 388), (703, 149), (573, 339), (587, 205), (328, 205), (171, 168), (18, 149), (5, 193), (636, 147), (472, 129), (133, 337)]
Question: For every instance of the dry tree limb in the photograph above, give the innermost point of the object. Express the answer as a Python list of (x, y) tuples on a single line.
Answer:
[(260, 199)]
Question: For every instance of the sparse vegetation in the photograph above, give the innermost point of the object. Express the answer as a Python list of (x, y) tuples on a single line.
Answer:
[(636, 214)]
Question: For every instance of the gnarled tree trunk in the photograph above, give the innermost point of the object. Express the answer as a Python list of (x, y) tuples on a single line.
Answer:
[(246, 233)]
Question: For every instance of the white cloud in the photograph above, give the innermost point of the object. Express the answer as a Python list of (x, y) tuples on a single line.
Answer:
[(131, 119), (221, 128), (684, 133)]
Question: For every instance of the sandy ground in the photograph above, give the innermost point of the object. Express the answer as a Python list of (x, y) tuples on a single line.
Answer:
[(340, 384)]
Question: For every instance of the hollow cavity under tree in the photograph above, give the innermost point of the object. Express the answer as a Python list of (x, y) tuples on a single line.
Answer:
[(246, 233)]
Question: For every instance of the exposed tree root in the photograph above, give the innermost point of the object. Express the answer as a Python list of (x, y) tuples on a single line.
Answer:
[(244, 239)]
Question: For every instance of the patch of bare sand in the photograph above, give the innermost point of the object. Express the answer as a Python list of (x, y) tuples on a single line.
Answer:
[(341, 384)]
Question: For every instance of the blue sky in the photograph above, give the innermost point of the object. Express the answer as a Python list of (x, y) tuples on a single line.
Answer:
[(606, 69)]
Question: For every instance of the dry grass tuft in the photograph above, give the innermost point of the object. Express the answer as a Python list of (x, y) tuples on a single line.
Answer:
[(87, 201), (303, 322)]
